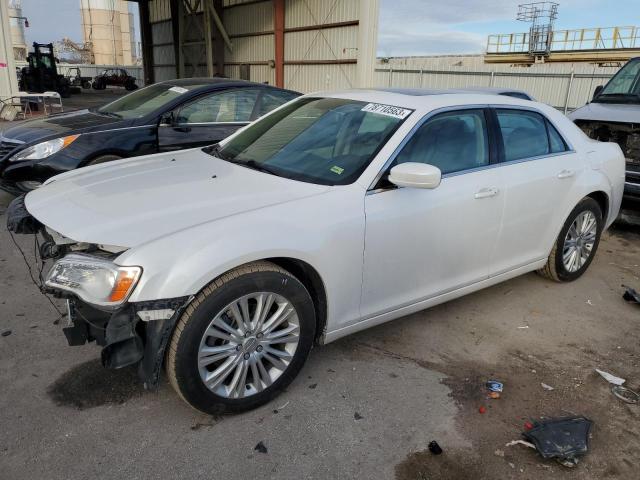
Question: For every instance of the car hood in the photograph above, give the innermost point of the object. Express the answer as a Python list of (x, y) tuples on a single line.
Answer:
[(62, 124), (130, 202), (608, 112)]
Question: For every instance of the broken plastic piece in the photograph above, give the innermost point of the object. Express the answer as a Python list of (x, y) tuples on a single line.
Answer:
[(520, 442), (630, 295), (564, 438), (494, 395), (482, 409), (260, 447), (625, 394), (611, 378), (547, 387)]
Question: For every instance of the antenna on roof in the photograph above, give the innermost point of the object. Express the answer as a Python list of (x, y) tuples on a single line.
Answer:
[(541, 15)]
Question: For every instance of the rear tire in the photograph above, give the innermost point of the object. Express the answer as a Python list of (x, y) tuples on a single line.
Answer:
[(576, 244), (244, 377)]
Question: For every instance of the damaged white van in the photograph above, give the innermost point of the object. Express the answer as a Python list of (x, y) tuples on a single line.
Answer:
[(332, 214)]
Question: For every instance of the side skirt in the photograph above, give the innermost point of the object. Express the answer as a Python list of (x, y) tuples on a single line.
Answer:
[(431, 302)]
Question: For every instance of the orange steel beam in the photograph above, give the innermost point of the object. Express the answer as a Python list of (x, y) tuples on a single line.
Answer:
[(278, 29)]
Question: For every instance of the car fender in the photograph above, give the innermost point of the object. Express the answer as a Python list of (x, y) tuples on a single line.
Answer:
[(324, 231)]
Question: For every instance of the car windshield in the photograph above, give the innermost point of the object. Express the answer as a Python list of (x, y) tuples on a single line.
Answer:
[(145, 100), (328, 141), (624, 86)]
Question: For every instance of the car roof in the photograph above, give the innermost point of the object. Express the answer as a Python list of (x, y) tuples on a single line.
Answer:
[(426, 100), (219, 82)]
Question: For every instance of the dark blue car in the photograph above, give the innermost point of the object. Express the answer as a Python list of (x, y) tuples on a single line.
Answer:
[(166, 116)]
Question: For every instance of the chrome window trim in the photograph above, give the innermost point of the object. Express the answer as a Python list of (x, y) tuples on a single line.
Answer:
[(205, 124), (116, 129), (428, 116)]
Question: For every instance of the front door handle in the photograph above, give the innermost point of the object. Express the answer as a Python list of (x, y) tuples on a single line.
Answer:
[(486, 193), (182, 129), (566, 174)]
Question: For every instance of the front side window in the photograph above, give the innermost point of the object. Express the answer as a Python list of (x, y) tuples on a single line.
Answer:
[(329, 141), (451, 141), (229, 106), (527, 134)]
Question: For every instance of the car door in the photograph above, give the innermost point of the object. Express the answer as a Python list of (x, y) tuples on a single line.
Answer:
[(421, 243), (207, 119), (540, 170)]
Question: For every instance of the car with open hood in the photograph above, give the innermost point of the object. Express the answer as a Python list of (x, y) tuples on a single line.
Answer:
[(335, 212), (162, 117), (614, 116)]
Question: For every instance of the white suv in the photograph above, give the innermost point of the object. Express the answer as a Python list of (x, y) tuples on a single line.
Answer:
[(334, 213)]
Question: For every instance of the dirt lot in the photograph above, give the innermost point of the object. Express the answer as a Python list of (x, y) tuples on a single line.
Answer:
[(364, 407)]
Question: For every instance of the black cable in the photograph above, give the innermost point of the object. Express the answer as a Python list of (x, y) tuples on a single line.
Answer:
[(26, 262)]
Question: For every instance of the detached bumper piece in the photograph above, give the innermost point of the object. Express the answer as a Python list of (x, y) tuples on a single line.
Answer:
[(19, 220), (126, 338)]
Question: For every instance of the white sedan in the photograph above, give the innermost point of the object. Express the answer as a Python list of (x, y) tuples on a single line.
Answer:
[(334, 213)]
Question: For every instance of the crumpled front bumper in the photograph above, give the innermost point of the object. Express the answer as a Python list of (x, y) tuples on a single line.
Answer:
[(135, 333), (126, 338)]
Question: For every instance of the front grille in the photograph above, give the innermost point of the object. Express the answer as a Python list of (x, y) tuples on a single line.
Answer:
[(7, 146)]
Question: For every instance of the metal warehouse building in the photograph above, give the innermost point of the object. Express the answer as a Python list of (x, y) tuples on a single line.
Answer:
[(303, 45)]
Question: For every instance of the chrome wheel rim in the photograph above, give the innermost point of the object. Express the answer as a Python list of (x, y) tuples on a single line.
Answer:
[(248, 345), (579, 241)]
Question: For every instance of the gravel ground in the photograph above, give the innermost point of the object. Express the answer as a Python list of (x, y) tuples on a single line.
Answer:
[(363, 407)]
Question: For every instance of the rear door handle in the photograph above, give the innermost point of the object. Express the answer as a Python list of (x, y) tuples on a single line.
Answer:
[(486, 193), (566, 174)]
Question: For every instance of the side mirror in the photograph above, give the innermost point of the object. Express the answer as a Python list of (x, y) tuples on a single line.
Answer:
[(598, 90), (415, 175), (168, 119)]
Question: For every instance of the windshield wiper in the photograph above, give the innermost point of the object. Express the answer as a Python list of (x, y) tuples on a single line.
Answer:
[(253, 165), (619, 95), (110, 114), (213, 150)]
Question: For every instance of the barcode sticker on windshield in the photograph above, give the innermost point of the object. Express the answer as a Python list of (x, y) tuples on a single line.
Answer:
[(388, 110), (179, 90)]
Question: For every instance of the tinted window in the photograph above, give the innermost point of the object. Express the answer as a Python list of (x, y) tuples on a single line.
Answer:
[(451, 141), (229, 106), (524, 134), (329, 141), (272, 99), (556, 142)]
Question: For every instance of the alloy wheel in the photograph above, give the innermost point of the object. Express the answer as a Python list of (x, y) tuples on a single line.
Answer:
[(579, 241), (248, 345)]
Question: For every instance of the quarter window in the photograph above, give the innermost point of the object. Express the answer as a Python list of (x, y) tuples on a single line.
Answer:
[(451, 141), (528, 134), (229, 106), (271, 100)]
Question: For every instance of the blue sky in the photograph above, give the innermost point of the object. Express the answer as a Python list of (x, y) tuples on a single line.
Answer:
[(406, 27)]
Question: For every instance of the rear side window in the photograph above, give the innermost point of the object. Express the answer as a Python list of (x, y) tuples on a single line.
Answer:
[(451, 141), (528, 134), (272, 99)]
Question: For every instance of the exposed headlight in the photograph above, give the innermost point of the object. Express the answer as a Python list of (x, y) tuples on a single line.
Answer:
[(44, 149), (94, 280)]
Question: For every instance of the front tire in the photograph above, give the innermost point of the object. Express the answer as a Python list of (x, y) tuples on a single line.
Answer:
[(576, 244), (242, 340)]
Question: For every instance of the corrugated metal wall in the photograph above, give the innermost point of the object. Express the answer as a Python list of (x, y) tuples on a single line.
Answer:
[(561, 85), (321, 42)]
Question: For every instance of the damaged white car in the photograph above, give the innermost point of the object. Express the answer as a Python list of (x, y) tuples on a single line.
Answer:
[(332, 214)]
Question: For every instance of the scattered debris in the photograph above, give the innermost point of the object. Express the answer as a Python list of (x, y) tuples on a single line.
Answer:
[(494, 395), (495, 386), (435, 448), (283, 406), (565, 439), (547, 387), (625, 394), (313, 385), (589, 302), (524, 326), (520, 442), (630, 295), (6, 333), (611, 378), (499, 453), (482, 409), (357, 416), (331, 370), (261, 447), (528, 425)]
